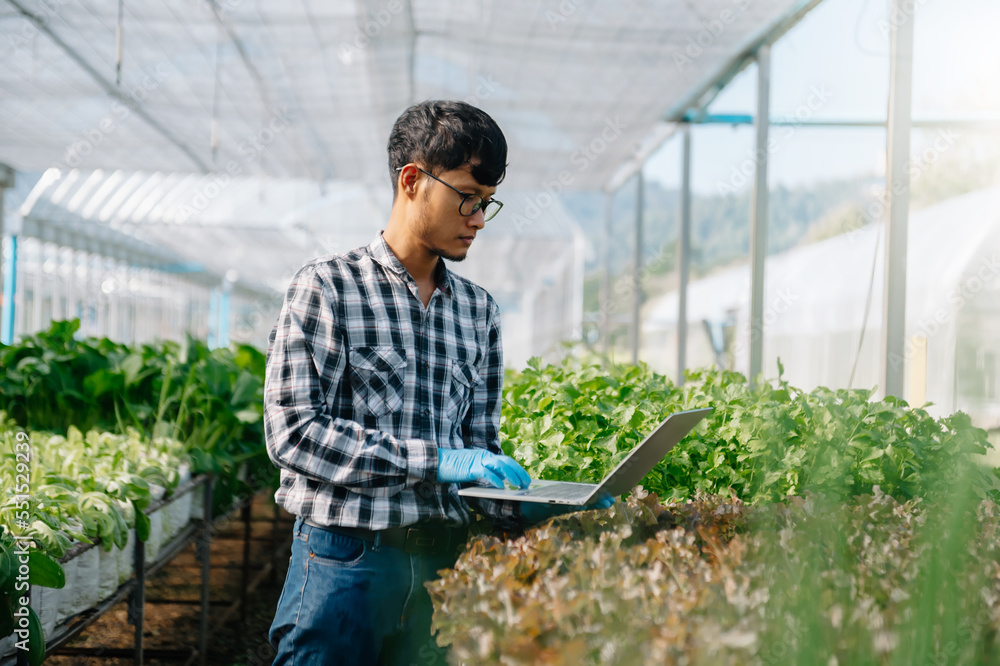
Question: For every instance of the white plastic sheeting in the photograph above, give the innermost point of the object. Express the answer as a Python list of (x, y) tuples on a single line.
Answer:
[(815, 306)]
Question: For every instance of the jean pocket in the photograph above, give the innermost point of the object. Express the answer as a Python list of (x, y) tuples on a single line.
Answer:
[(378, 377), (334, 549)]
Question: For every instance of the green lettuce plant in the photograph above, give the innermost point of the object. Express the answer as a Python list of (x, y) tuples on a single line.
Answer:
[(575, 421)]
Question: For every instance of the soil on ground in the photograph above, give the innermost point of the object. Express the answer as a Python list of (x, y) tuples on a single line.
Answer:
[(172, 624)]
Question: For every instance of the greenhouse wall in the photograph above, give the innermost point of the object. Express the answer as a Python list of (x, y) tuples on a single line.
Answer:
[(815, 317)]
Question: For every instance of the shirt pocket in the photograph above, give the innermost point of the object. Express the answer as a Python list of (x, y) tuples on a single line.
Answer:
[(465, 379), (378, 377)]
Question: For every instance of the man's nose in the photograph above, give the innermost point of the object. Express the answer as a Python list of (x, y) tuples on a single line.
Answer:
[(477, 220)]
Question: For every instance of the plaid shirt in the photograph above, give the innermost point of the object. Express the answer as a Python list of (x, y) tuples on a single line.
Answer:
[(363, 385)]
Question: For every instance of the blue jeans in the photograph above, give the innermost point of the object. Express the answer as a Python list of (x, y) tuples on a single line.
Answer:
[(348, 601)]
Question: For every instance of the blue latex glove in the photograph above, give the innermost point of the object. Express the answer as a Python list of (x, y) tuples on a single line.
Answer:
[(536, 512), (470, 465)]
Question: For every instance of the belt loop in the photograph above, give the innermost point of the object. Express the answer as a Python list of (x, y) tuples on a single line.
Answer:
[(377, 542)]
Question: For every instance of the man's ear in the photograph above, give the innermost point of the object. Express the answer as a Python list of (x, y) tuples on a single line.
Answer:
[(407, 183)]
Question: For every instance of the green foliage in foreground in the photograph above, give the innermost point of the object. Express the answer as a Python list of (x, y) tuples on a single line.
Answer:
[(714, 581), (575, 422), (822, 527)]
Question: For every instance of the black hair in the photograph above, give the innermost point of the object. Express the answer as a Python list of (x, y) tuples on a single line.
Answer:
[(444, 135)]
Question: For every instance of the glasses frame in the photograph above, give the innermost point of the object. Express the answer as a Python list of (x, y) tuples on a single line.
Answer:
[(484, 205)]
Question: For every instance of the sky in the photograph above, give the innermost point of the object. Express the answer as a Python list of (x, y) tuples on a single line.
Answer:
[(837, 60)]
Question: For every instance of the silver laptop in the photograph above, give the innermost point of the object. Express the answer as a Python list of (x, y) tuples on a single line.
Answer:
[(621, 480)]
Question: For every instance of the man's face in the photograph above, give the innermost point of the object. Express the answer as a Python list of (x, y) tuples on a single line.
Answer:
[(443, 230)]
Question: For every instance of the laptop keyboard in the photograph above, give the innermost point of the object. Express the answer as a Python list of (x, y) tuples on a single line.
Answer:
[(561, 491)]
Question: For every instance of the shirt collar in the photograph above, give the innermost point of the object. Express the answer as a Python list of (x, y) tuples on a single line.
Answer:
[(382, 254)]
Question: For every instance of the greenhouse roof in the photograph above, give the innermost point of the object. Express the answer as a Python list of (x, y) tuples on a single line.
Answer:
[(309, 90)]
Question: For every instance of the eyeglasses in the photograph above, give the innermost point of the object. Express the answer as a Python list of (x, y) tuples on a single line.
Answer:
[(471, 203)]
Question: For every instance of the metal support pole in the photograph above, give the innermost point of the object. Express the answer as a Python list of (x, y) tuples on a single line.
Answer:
[(3, 264), (115, 299), (244, 588), (637, 267), (758, 216), (101, 321), (69, 287), (7, 178), (56, 312), (9, 292), (137, 600), (898, 201), (225, 295), (213, 318), (204, 556), (37, 285), (684, 254), (275, 535), (604, 316)]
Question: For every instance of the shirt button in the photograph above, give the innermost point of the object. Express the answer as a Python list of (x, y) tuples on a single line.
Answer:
[(427, 412)]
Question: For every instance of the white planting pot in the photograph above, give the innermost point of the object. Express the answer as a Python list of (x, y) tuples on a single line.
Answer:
[(155, 536), (45, 602), (198, 503), (83, 592), (167, 516), (156, 541), (6, 646), (177, 521), (126, 557), (182, 505), (65, 595), (107, 582)]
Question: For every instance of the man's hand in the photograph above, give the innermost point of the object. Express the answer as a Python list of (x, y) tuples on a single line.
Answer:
[(535, 512), (469, 465)]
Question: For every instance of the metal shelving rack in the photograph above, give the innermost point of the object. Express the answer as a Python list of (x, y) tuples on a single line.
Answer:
[(135, 588)]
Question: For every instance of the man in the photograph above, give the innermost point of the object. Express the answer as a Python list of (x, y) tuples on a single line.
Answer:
[(382, 393)]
